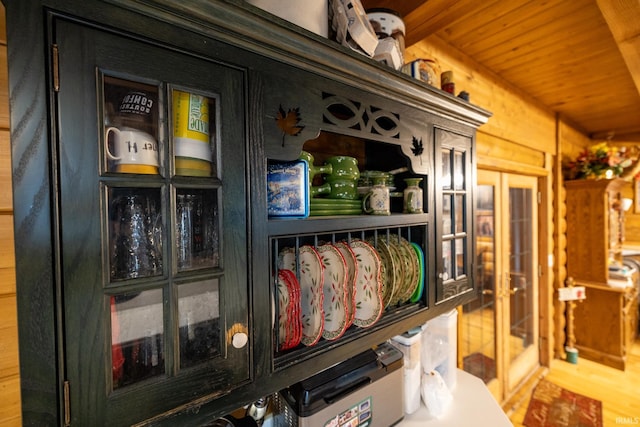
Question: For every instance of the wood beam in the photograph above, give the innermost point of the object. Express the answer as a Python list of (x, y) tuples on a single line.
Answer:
[(623, 19), (617, 137)]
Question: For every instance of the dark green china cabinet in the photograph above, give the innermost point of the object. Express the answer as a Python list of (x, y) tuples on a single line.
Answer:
[(147, 264)]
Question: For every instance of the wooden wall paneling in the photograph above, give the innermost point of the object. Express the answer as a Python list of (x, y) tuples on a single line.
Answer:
[(6, 199), (8, 337), (7, 280), (7, 249), (546, 249), (631, 219), (516, 116), (4, 89), (3, 26), (497, 149), (10, 398), (10, 408), (571, 140), (560, 240)]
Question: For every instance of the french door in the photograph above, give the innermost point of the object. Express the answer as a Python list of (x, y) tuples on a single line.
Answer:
[(499, 330)]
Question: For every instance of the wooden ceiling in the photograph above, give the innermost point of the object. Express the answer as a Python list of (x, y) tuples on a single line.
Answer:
[(580, 58)]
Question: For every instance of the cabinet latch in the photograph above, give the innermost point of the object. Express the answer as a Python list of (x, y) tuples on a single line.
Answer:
[(67, 410), (55, 67)]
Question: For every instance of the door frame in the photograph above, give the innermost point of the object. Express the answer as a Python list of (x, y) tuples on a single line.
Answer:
[(516, 371), (547, 251)]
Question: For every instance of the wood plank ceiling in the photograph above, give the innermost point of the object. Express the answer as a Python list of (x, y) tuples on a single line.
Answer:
[(581, 58)]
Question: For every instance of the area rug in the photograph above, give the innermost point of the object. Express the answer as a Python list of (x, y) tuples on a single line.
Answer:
[(554, 406), (481, 366)]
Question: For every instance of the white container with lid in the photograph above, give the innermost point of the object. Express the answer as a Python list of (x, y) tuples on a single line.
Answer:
[(440, 346), (409, 344)]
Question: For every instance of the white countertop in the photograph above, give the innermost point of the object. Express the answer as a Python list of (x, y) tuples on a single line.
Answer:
[(473, 405)]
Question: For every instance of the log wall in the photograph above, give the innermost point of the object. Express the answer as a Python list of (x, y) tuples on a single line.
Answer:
[(9, 369)]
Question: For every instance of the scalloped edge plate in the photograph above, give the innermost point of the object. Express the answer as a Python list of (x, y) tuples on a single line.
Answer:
[(368, 284), (311, 296), (350, 286), (335, 278)]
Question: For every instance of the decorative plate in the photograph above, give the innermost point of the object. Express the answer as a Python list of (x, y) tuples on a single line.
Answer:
[(295, 325), (417, 294), (335, 278), (410, 268), (368, 297), (350, 284), (387, 269), (413, 266), (311, 296), (396, 254), (283, 309), (288, 310)]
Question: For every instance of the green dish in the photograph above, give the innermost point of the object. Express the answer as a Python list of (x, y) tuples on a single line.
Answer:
[(335, 202), (328, 212), (333, 208), (417, 293)]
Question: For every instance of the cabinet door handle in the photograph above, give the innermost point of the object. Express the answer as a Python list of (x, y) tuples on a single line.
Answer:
[(239, 340)]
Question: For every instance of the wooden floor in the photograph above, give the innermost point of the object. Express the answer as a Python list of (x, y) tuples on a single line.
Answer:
[(618, 390)]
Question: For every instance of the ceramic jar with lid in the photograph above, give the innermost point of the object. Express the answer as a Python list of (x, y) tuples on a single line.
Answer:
[(412, 196), (388, 23)]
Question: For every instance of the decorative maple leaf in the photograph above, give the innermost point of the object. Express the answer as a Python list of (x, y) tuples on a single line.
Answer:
[(288, 122), (417, 148)]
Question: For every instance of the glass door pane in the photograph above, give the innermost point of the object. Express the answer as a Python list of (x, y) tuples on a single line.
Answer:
[(137, 336), (194, 133), (521, 271), (520, 287), (478, 344), (454, 189), (197, 233), (199, 321), (130, 114)]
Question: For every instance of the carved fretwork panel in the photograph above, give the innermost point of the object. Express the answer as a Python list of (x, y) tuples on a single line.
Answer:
[(296, 112), (366, 120), (372, 122)]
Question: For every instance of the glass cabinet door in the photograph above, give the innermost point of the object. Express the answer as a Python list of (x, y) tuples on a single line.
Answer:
[(152, 226), (454, 187)]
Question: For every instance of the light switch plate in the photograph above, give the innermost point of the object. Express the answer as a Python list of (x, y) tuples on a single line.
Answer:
[(572, 294)]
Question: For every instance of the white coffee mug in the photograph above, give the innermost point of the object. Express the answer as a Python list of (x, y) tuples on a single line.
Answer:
[(134, 151)]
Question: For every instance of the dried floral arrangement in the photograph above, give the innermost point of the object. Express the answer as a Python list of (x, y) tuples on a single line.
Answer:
[(600, 161)]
